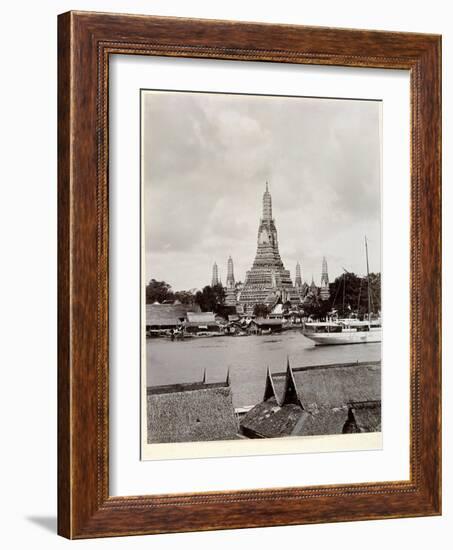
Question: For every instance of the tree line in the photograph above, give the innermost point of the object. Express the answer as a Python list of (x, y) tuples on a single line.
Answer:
[(348, 293), (160, 291), (211, 298)]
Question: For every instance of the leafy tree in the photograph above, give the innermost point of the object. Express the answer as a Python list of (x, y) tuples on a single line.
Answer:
[(261, 310), (348, 294), (158, 291), (185, 297), (375, 287), (211, 298), (311, 306), (219, 293), (224, 311)]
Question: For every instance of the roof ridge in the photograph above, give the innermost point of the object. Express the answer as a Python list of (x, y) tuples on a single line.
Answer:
[(185, 386), (330, 365)]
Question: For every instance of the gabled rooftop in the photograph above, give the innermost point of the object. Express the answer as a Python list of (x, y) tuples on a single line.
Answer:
[(318, 400)]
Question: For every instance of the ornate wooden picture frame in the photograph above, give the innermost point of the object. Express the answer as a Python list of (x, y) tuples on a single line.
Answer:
[(86, 41)]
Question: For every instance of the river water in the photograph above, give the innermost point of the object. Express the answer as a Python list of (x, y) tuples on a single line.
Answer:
[(247, 358)]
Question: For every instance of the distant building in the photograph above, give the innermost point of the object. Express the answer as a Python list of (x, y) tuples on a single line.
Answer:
[(191, 412), (201, 322), (258, 325), (268, 280), (277, 312), (324, 292), (160, 317), (319, 400)]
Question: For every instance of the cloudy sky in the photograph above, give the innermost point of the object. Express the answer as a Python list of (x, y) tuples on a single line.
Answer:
[(206, 159)]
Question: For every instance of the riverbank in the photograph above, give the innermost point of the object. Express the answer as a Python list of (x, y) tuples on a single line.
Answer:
[(246, 359)]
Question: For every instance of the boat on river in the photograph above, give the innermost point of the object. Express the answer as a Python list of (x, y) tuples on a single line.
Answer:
[(346, 331)]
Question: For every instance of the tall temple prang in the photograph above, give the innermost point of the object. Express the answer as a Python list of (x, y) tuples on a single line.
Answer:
[(268, 281), (215, 275), (325, 290)]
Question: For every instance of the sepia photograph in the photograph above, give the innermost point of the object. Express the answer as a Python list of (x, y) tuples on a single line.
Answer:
[(261, 267), (249, 274)]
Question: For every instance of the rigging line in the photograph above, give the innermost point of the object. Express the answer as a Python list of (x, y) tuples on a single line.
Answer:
[(368, 278), (344, 289)]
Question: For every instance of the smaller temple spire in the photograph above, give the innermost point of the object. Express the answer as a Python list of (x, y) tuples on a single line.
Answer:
[(325, 290), (230, 274), (204, 377), (298, 279), (228, 378), (215, 275), (324, 273), (313, 287)]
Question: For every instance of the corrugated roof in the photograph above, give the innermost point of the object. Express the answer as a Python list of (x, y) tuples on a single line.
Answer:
[(200, 413)]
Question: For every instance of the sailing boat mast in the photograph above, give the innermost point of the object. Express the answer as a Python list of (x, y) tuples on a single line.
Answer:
[(368, 281)]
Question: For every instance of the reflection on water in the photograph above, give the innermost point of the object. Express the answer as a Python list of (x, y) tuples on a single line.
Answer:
[(247, 358)]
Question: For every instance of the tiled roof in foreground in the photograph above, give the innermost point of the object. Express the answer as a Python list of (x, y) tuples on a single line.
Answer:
[(318, 400), (191, 412)]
